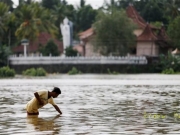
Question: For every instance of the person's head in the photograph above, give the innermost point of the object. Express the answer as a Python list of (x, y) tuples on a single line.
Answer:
[(55, 92)]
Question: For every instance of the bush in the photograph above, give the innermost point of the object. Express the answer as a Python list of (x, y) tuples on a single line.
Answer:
[(70, 51), (168, 71), (7, 72), (40, 72), (169, 63), (74, 71), (34, 72), (49, 48)]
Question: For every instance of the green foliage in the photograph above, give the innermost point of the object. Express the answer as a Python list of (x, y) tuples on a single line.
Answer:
[(3, 17), (4, 53), (30, 72), (40, 72), (50, 48), (70, 51), (7, 72), (174, 32), (84, 17), (157, 24), (169, 62), (50, 4), (34, 19), (35, 72), (152, 12), (168, 71), (114, 33), (74, 71)]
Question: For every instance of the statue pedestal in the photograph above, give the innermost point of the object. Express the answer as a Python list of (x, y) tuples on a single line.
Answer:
[(25, 42)]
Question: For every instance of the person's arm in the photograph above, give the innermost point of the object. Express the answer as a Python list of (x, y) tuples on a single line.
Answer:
[(57, 109), (38, 98)]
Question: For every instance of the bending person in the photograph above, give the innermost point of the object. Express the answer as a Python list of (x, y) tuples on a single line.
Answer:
[(42, 98)]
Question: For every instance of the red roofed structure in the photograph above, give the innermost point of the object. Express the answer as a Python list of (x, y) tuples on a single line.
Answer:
[(33, 47), (147, 35), (151, 41), (86, 34), (134, 15)]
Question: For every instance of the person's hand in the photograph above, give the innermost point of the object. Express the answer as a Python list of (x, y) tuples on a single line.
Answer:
[(60, 113)]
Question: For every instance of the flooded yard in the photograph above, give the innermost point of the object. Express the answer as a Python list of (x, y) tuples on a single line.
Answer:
[(94, 104)]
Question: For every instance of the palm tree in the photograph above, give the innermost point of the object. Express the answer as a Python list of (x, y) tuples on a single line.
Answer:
[(3, 17), (171, 8), (34, 19), (27, 27), (45, 20), (9, 3)]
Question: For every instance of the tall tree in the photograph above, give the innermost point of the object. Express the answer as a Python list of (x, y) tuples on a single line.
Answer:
[(174, 32), (9, 3), (6, 20), (84, 17), (171, 8), (34, 19), (50, 4), (3, 16), (152, 12), (114, 33)]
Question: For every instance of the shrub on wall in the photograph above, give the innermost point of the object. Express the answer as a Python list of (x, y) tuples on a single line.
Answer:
[(7, 72), (34, 72), (49, 48), (70, 51)]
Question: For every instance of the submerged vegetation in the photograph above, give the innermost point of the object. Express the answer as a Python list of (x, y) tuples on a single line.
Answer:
[(74, 71), (7, 72), (35, 72)]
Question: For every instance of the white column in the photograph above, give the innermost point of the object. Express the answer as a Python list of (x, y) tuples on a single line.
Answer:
[(25, 51)]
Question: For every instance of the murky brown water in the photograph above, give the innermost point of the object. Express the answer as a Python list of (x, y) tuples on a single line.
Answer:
[(94, 104)]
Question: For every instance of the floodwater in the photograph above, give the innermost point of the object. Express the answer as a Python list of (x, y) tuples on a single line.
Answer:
[(94, 104)]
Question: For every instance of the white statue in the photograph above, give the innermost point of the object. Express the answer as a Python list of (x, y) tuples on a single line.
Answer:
[(65, 30)]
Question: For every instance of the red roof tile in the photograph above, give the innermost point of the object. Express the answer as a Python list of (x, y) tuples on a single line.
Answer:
[(85, 34), (34, 46), (147, 35), (134, 15), (162, 34)]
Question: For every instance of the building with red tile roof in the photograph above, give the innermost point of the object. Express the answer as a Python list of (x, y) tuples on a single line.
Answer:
[(151, 41), (33, 47), (134, 15)]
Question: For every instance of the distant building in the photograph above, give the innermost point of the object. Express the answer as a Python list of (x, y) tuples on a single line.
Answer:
[(151, 41), (33, 47)]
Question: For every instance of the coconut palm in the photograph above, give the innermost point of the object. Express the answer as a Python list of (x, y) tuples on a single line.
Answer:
[(34, 19), (3, 17), (9, 3), (171, 8)]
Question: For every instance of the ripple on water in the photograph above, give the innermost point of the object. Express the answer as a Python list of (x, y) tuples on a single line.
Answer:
[(93, 109)]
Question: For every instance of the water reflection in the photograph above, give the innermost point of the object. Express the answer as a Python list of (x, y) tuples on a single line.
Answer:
[(43, 124)]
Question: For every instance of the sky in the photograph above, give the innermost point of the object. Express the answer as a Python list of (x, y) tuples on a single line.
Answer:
[(94, 3)]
